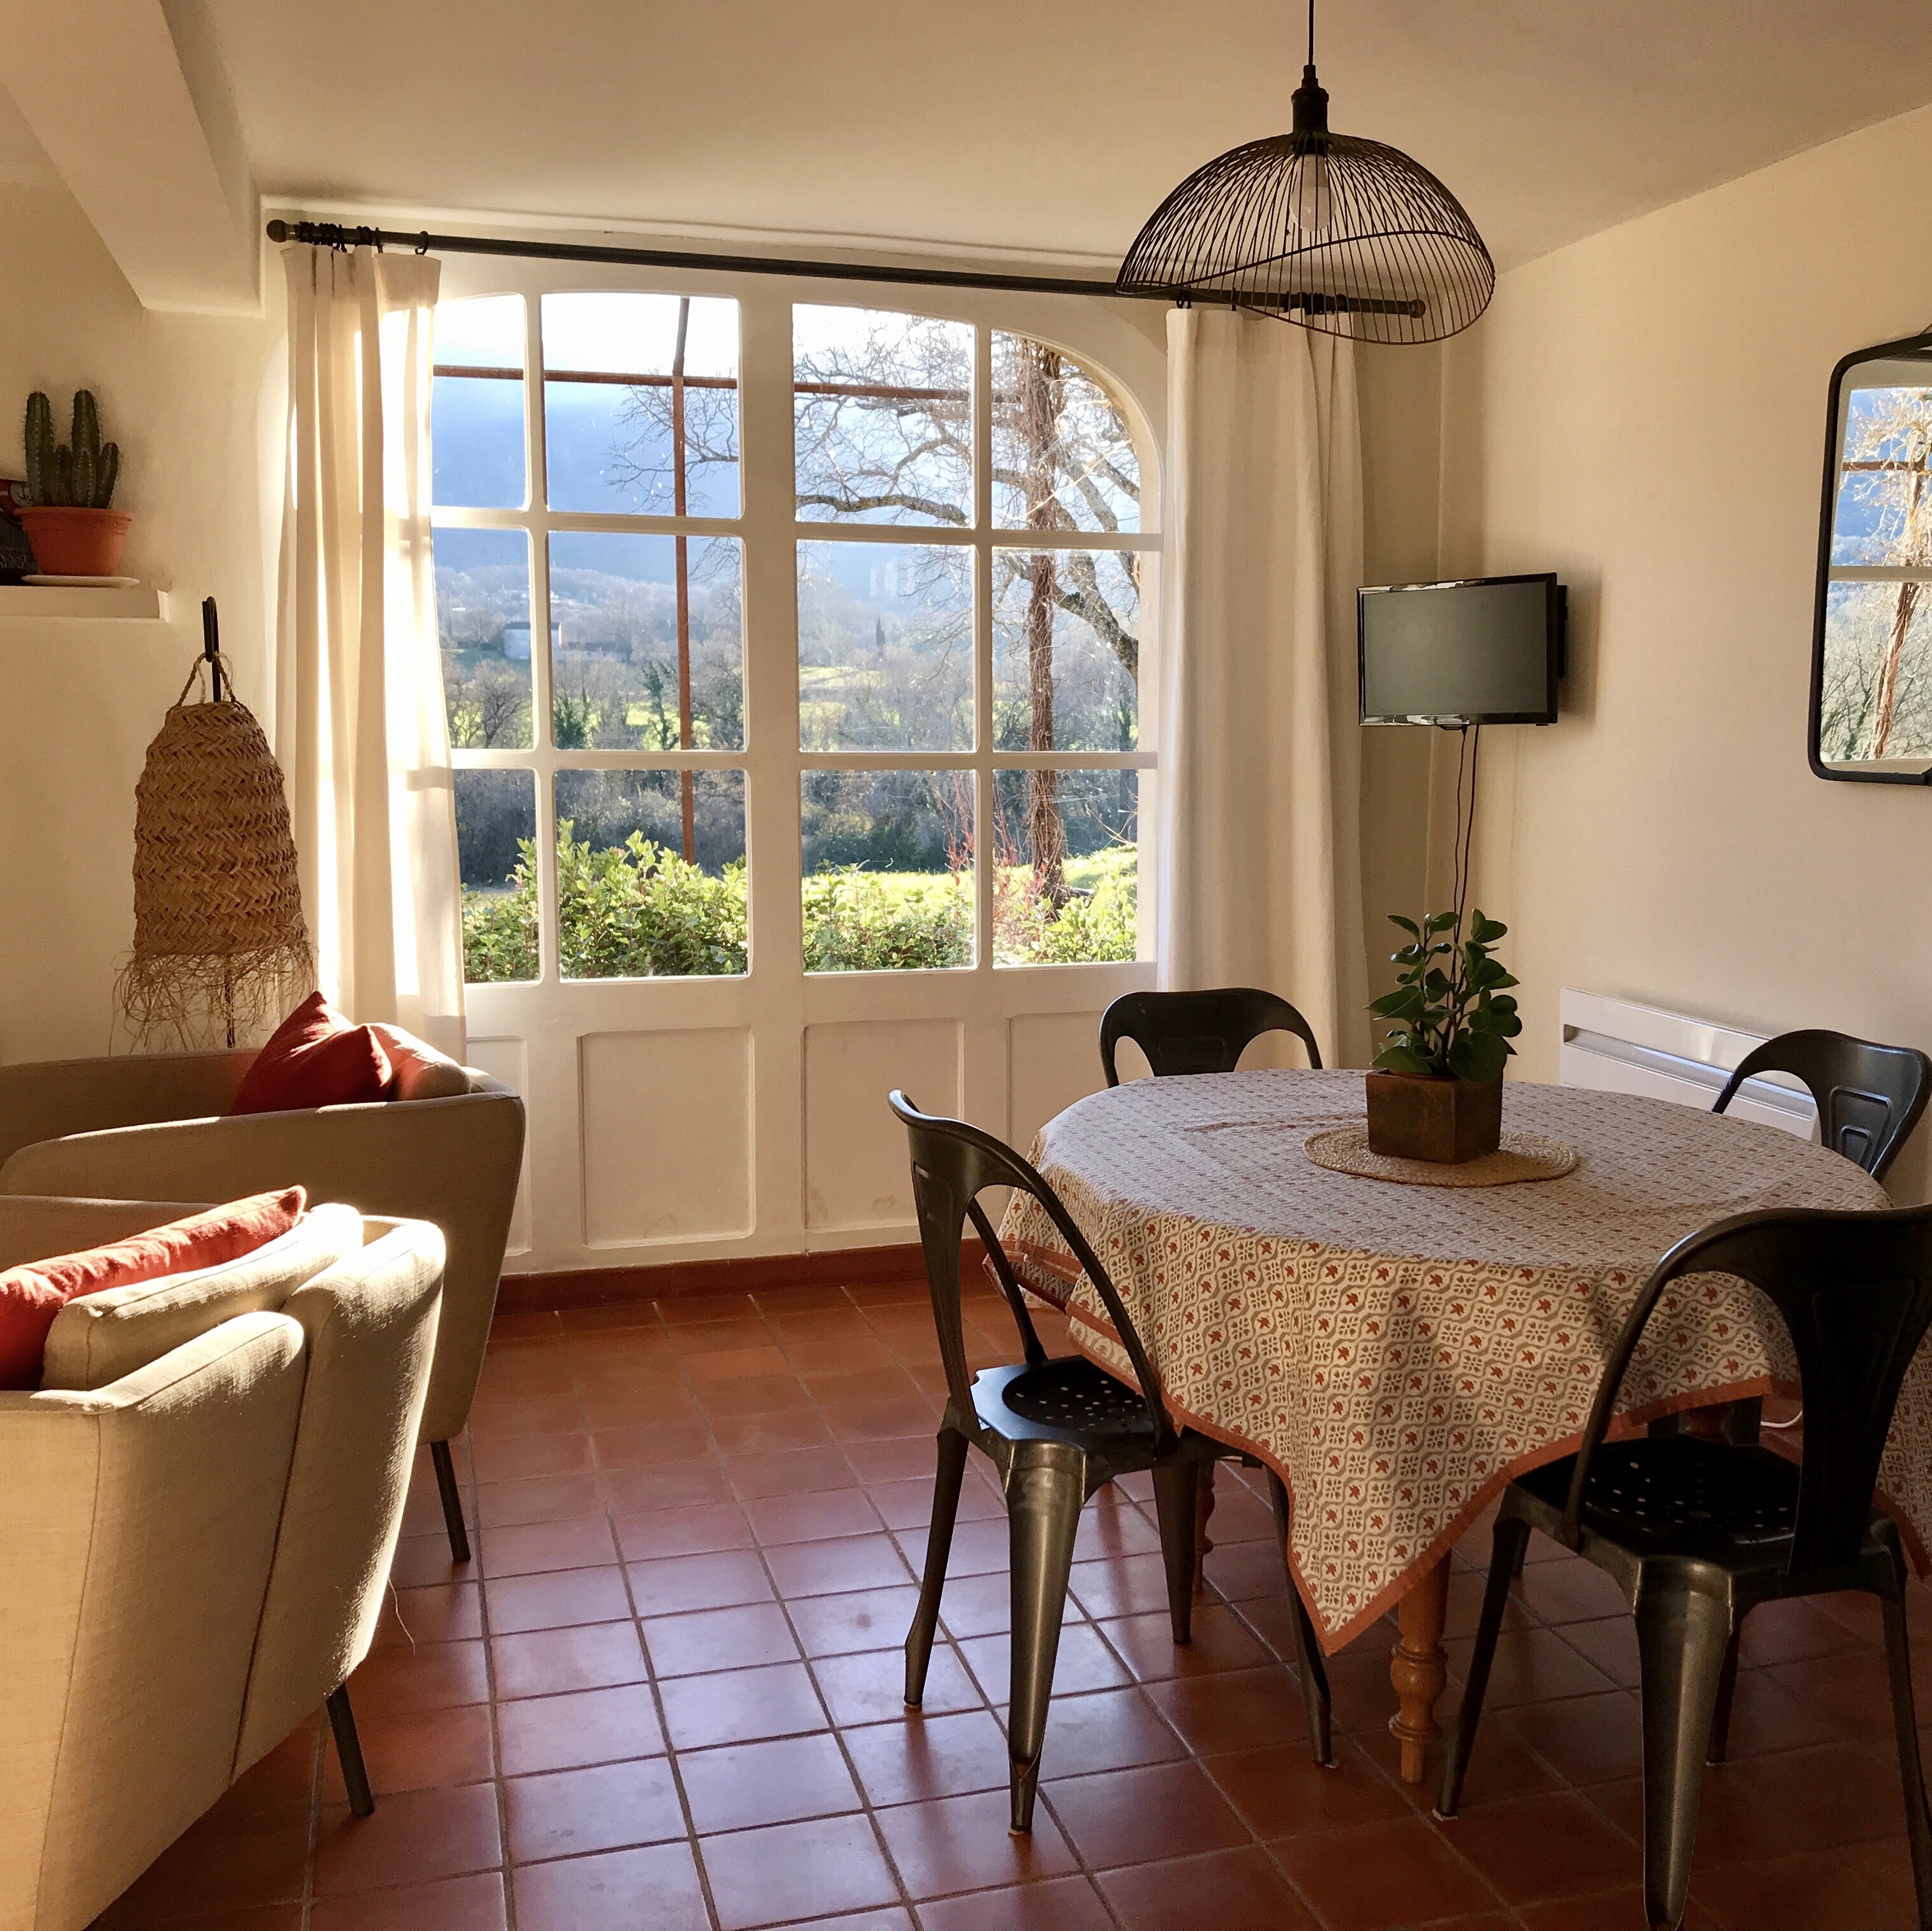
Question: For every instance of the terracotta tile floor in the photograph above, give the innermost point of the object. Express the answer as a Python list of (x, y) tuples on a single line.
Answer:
[(667, 1696)]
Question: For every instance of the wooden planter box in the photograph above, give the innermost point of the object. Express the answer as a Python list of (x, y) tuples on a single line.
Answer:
[(1412, 1116)]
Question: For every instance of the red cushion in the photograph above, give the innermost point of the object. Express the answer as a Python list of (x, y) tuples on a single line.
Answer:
[(315, 1058), (421, 1072), (31, 1295)]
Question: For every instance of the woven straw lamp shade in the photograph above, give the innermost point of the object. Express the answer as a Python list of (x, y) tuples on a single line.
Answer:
[(220, 946)]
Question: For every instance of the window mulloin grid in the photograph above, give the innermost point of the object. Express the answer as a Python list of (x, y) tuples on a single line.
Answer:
[(538, 522)]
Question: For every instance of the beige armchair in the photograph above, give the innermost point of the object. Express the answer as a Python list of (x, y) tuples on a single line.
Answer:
[(150, 1127), (197, 1547)]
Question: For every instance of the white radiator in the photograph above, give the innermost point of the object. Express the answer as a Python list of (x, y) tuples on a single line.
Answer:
[(1616, 1046)]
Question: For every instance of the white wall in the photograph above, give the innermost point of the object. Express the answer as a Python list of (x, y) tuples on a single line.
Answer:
[(1644, 413), (194, 403)]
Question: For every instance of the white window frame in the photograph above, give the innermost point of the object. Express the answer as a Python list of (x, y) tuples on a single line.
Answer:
[(547, 1019)]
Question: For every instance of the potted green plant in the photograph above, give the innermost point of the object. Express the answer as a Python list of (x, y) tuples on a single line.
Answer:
[(1437, 1094), (70, 488)]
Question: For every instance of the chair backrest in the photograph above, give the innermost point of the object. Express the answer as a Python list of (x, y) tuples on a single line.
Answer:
[(1198, 1032), (1869, 1096), (952, 1164), (1855, 1292)]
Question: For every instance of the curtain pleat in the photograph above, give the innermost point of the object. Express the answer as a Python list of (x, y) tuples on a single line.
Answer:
[(361, 730), (1258, 826)]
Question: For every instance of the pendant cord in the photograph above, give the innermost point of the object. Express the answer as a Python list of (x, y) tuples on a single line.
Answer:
[(1311, 32)]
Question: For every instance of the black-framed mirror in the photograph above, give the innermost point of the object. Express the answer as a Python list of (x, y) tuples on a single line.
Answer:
[(1871, 639)]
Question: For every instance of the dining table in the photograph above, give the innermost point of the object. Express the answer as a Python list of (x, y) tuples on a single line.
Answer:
[(1395, 1352)]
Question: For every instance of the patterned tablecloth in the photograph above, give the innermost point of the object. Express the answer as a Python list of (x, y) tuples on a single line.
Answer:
[(1396, 1353)]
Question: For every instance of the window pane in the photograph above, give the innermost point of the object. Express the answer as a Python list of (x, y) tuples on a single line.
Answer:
[(1062, 456), (1069, 866), (885, 647), (882, 417), (496, 830), (476, 420), (888, 869), (1865, 625), (1884, 514), (483, 620), (1066, 650), (617, 609), (613, 403), (650, 873)]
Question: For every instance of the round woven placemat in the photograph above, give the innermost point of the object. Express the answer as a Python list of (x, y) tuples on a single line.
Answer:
[(1522, 1156)]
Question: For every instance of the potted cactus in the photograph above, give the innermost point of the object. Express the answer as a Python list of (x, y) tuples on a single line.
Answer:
[(69, 487)]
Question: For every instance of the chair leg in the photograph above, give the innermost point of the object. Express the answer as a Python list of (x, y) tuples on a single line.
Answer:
[(1176, 1493), (1045, 1493), (1512, 1537), (953, 1446), (452, 1501), (349, 1753), (1308, 1663), (1719, 1744), (1911, 1769), (1682, 1632)]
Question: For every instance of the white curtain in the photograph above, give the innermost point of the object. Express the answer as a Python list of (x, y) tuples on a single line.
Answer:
[(360, 728), (1258, 825)]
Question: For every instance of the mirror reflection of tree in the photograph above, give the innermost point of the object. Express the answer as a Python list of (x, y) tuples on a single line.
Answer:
[(1877, 702)]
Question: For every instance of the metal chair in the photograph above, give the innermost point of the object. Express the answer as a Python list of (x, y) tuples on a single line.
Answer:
[(1057, 1430), (1869, 1096), (1699, 1533), (1198, 1032)]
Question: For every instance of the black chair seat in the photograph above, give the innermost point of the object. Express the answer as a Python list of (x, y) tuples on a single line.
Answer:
[(1678, 1491), (1069, 1397)]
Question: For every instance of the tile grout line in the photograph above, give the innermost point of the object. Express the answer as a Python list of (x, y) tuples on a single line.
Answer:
[(712, 1915), (1535, 1619), (953, 1643)]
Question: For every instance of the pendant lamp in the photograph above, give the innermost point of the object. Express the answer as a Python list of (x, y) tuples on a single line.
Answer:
[(1339, 234), (220, 946)]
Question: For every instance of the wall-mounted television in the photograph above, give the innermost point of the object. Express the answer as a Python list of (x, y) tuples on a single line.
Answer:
[(1487, 650)]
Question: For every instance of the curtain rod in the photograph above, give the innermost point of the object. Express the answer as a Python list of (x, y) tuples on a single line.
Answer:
[(334, 234)]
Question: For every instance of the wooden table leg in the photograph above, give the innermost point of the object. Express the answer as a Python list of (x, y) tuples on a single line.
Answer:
[(1203, 1507), (1418, 1669)]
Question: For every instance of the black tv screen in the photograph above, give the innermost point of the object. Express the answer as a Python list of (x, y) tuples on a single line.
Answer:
[(1486, 651)]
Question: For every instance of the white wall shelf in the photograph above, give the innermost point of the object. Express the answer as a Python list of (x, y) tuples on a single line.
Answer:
[(39, 603)]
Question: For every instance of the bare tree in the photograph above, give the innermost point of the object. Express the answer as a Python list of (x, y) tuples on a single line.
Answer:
[(1887, 444), (883, 430)]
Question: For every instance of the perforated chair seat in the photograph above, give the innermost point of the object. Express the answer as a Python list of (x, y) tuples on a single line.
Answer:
[(1683, 1492), (1071, 1394)]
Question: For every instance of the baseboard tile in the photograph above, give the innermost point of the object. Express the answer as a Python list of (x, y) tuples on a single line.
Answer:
[(749, 1274)]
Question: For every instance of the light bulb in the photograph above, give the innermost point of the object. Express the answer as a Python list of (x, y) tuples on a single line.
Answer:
[(1311, 201)]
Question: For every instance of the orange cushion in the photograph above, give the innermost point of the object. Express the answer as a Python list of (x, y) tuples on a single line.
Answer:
[(31, 1295), (315, 1058)]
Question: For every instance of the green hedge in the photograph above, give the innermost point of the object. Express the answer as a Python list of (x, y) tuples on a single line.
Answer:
[(638, 911)]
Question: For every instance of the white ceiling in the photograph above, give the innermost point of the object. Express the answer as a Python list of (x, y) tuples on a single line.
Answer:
[(1021, 128), (1052, 128)]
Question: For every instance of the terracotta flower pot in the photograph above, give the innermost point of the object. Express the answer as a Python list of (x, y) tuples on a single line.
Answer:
[(70, 542), (1414, 1117)]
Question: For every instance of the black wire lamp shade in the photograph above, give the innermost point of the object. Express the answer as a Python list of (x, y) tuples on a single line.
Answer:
[(1339, 234)]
